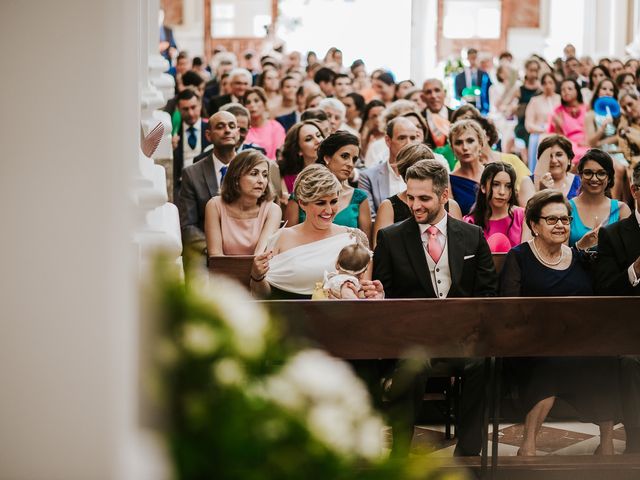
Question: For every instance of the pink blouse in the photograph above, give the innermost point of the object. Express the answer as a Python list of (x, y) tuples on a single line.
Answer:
[(573, 128), (269, 136), (498, 229), (240, 235)]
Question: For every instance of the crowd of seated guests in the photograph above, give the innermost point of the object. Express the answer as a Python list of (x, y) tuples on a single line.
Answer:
[(294, 164)]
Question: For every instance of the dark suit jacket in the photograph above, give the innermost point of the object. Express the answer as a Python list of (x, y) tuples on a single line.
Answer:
[(618, 247), (199, 184), (177, 156), (484, 84), (400, 262), (287, 121), (216, 102)]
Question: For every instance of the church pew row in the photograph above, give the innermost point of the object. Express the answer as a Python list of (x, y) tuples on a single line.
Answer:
[(492, 328), (238, 267)]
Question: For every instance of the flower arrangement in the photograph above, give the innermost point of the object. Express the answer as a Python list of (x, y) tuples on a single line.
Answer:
[(244, 402)]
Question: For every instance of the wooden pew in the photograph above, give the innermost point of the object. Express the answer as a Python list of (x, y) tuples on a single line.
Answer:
[(479, 327), (238, 267)]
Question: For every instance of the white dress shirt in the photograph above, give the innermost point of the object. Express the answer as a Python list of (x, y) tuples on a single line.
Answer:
[(396, 183), (188, 153), (440, 273), (633, 278)]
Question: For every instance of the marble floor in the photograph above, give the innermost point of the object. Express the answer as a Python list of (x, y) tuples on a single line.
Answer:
[(555, 438)]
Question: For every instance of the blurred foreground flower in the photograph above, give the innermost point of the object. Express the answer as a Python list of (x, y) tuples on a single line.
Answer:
[(244, 403)]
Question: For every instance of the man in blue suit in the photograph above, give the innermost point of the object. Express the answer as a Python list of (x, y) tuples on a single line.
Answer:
[(473, 76)]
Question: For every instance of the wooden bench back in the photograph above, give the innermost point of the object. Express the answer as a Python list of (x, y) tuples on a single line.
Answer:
[(468, 327), (238, 267)]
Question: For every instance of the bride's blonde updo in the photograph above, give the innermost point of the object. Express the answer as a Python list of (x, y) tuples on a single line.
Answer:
[(315, 182)]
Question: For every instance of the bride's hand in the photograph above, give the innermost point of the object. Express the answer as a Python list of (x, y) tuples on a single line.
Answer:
[(260, 265), (372, 289)]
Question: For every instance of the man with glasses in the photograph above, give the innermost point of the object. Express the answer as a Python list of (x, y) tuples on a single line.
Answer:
[(618, 273)]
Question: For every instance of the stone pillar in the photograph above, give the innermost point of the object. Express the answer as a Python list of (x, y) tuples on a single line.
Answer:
[(69, 344)]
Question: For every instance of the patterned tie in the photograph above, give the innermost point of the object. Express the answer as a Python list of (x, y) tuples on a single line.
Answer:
[(433, 245), (223, 171), (192, 139)]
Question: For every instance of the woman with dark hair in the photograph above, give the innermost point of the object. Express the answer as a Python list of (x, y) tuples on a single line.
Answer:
[(370, 130), (552, 168), (300, 149), (496, 211), (269, 81), (355, 105), (385, 87), (395, 208), (568, 118), (596, 75), (543, 267), (629, 127), (403, 88), (264, 131), (339, 153), (626, 81), (528, 90), (592, 209), (602, 133), (488, 154), (537, 114), (242, 218)]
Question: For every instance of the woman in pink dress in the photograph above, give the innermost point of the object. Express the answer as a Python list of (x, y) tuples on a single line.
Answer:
[(242, 218), (568, 118), (495, 210), (264, 132)]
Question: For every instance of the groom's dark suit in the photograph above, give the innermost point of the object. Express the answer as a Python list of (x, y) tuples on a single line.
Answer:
[(618, 248), (400, 263)]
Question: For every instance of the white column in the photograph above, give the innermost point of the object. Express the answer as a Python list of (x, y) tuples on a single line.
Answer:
[(618, 27), (68, 348), (424, 25), (633, 49)]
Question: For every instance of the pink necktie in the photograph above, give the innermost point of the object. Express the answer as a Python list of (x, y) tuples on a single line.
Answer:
[(433, 245)]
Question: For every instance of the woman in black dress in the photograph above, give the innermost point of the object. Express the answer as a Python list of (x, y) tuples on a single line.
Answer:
[(545, 266), (395, 208)]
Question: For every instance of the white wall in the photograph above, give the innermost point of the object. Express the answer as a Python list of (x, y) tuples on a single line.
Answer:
[(377, 31), (69, 138)]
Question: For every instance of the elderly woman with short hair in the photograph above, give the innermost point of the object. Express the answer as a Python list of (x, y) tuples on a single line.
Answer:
[(298, 257), (541, 267)]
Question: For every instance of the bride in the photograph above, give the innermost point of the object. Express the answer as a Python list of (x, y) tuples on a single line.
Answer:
[(298, 257)]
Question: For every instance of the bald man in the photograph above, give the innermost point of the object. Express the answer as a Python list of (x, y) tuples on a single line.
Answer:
[(202, 180)]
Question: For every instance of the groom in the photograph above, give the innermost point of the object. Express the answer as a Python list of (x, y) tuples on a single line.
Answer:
[(432, 255)]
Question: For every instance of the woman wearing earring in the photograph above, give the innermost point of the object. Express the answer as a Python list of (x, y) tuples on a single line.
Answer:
[(298, 257), (568, 118), (300, 150), (339, 153), (496, 211), (592, 209), (541, 267), (242, 218), (467, 140)]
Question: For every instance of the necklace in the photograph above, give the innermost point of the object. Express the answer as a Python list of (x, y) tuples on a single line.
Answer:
[(541, 258)]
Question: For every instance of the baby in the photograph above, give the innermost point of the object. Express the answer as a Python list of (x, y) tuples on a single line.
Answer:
[(352, 262)]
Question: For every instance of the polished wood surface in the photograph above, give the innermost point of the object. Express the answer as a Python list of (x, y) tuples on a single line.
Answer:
[(238, 267), (470, 327)]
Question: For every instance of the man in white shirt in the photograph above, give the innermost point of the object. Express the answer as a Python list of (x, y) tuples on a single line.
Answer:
[(189, 141), (618, 273), (383, 180), (432, 255), (202, 180)]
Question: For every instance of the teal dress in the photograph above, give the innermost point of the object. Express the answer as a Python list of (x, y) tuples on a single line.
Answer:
[(348, 216), (579, 229)]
